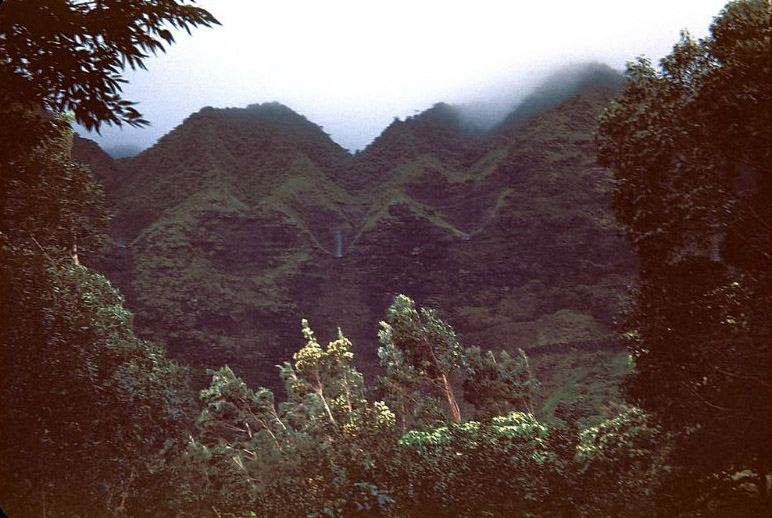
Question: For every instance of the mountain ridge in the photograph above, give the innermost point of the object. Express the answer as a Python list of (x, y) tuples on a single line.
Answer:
[(242, 221)]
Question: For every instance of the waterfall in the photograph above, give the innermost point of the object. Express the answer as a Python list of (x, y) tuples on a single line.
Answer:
[(338, 238)]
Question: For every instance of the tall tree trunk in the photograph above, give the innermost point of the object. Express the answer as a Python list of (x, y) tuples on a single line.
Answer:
[(320, 393), (347, 390), (451, 399)]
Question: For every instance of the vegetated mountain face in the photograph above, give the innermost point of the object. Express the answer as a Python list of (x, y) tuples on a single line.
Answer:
[(241, 221)]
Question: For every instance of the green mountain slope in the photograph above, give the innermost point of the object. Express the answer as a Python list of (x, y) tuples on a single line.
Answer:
[(242, 221)]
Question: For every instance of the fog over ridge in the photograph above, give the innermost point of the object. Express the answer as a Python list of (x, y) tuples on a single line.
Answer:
[(352, 67)]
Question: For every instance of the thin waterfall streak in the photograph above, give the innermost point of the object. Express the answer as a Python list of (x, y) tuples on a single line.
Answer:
[(338, 235)]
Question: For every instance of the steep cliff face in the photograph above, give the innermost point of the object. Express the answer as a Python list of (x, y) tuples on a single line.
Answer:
[(240, 222)]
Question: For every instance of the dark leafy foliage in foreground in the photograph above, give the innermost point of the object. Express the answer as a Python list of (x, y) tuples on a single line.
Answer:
[(67, 55), (85, 403), (690, 148)]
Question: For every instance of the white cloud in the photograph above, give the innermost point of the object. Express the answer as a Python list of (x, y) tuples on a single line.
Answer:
[(352, 66)]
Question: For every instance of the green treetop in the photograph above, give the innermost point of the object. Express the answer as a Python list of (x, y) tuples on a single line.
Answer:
[(420, 343)]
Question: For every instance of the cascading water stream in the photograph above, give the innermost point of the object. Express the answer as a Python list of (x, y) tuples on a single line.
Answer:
[(338, 242)]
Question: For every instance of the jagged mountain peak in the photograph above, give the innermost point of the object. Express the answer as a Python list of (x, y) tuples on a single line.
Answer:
[(441, 114), (560, 86), (260, 147), (451, 117), (440, 132), (242, 131), (273, 114), (255, 151)]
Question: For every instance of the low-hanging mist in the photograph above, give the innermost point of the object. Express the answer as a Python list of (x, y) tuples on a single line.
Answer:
[(353, 67)]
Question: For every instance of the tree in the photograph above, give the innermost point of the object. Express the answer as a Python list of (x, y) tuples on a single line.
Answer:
[(419, 345), (620, 465), (495, 468), (350, 436), (328, 374), (84, 403), (69, 56), (343, 458), (325, 449), (236, 413), (513, 465), (499, 385), (690, 149), (50, 202)]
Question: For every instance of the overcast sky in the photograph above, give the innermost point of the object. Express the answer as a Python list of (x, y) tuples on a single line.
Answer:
[(352, 66)]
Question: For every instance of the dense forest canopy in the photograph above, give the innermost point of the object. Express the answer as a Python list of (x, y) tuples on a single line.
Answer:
[(96, 421), (690, 148), (85, 403)]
